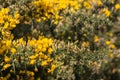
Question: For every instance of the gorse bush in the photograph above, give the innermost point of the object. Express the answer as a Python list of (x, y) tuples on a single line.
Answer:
[(59, 39)]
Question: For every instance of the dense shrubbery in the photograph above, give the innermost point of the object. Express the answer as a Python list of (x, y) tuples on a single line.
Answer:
[(59, 39)]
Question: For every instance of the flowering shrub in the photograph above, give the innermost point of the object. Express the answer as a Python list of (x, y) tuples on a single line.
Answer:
[(59, 39), (7, 23)]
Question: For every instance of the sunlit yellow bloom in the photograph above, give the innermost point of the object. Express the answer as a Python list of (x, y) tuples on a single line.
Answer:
[(6, 59), (45, 57), (80, 1), (44, 63), (39, 47), (106, 12), (87, 5), (6, 25), (85, 44), (1, 20), (53, 67), (2, 49), (32, 62), (6, 66), (49, 59), (50, 50), (99, 3), (96, 38), (5, 10), (44, 49), (32, 57), (38, 20), (16, 15), (21, 41), (32, 43), (108, 42), (8, 43), (41, 55), (117, 6), (13, 50)]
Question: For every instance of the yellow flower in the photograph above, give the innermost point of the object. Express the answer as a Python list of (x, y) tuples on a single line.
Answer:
[(49, 60), (6, 25), (44, 63), (99, 3), (6, 59), (87, 5), (38, 20), (8, 43), (80, 1), (85, 44), (2, 20), (32, 57), (6, 66), (50, 50), (17, 15), (12, 23), (2, 49), (106, 12), (32, 42), (41, 55), (39, 47), (108, 42), (32, 62), (30, 73), (96, 38), (44, 49), (53, 67), (111, 55), (21, 41), (13, 50), (117, 6), (5, 10), (112, 46)]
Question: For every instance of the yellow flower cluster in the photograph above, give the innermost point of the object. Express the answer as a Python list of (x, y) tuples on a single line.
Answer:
[(40, 55), (4, 45), (106, 12), (50, 9), (42, 51), (110, 44), (89, 4), (7, 23), (41, 45)]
